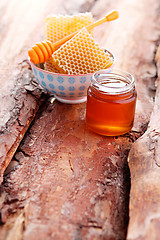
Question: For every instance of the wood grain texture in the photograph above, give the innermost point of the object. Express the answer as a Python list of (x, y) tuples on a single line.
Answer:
[(144, 162), (70, 182), (144, 165), (19, 105), (65, 182), (19, 95)]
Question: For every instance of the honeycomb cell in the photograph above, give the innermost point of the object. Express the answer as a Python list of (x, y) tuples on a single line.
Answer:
[(89, 59), (49, 66)]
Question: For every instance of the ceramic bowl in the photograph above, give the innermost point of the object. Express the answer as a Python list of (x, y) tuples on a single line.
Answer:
[(65, 88)]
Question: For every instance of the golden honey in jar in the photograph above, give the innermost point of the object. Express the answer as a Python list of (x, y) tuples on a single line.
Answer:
[(111, 101)]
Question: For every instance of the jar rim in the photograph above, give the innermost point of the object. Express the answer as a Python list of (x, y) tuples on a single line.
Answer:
[(113, 82)]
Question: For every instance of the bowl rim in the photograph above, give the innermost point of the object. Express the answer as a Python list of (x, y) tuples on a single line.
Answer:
[(63, 74)]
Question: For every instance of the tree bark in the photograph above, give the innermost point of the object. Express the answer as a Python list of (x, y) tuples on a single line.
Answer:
[(144, 163), (65, 182)]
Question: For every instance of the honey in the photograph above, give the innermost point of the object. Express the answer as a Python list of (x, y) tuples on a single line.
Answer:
[(111, 101)]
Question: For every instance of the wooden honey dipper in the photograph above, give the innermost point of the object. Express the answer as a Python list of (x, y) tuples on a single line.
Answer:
[(42, 51)]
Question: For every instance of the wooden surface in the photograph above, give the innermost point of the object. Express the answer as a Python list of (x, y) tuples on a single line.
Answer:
[(62, 181), (144, 163)]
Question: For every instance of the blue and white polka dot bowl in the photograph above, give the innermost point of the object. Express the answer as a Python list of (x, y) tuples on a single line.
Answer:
[(65, 88)]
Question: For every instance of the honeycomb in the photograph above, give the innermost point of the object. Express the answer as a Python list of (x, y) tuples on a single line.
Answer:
[(49, 66), (59, 26), (81, 55)]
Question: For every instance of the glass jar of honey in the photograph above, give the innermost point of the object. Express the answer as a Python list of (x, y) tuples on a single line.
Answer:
[(111, 100)]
